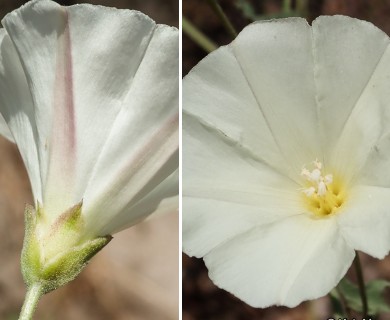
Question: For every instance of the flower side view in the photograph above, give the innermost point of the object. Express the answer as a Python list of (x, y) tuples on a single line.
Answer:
[(286, 157), (90, 96)]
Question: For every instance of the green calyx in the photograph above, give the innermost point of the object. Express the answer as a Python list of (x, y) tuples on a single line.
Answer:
[(52, 256)]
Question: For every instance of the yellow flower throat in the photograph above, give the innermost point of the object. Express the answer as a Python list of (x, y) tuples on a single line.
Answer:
[(324, 194)]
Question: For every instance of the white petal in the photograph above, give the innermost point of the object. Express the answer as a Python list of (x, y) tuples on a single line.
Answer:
[(364, 222), (141, 149), (77, 86), (86, 68), (347, 52), (277, 61), (108, 48), (35, 38), (352, 59), (161, 200), (225, 191), (211, 159), (283, 263), (357, 141), (17, 109), (368, 131), (216, 92), (376, 171)]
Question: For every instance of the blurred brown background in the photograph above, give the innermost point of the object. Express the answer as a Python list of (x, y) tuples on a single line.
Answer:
[(201, 298), (134, 277)]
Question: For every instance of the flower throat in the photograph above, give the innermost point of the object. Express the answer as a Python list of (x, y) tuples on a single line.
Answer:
[(324, 194)]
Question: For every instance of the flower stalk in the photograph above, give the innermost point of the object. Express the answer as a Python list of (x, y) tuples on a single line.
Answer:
[(301, 8), (287, 6), (197, 36), (361, 284), (55, 254), (33, 295), (344, 303), (222, 16)]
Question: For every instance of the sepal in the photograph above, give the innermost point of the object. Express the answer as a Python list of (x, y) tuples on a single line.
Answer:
[(55, 255)]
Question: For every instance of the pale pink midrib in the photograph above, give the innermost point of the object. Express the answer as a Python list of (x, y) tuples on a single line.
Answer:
[(162, 141), (62, 145)]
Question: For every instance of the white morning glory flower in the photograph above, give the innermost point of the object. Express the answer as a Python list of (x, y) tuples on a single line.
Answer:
[(286, 150), (90, 95)]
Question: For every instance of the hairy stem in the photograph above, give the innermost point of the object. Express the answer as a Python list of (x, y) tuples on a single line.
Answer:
[(33, 295)]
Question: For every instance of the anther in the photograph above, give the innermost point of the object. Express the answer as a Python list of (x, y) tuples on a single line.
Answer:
[(309, 191), (323, 194)]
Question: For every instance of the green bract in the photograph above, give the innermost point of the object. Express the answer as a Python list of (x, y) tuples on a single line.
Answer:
[(53, 256)]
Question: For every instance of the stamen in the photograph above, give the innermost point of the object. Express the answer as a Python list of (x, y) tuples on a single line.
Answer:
[(315, 175), (321, 188), (322, 192), (317, 164), (309, 191), (328, 178), (305, 173)]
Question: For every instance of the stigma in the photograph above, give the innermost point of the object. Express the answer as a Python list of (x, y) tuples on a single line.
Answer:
[(324, 194)]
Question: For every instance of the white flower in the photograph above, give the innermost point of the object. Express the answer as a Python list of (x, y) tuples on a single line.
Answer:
[(90, 95), (286, 150)]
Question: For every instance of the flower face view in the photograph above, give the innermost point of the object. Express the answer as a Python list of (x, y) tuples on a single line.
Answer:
[(90, 96), (286, 157)]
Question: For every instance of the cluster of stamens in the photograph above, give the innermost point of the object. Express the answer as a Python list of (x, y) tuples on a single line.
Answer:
[(322, 195)]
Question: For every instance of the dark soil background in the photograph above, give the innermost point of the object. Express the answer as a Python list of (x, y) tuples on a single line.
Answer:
[(201, 298), (134, 277)]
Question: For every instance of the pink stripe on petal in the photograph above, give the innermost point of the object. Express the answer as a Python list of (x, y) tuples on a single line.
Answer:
[(141, 167), (62, 144), (160, 142)]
